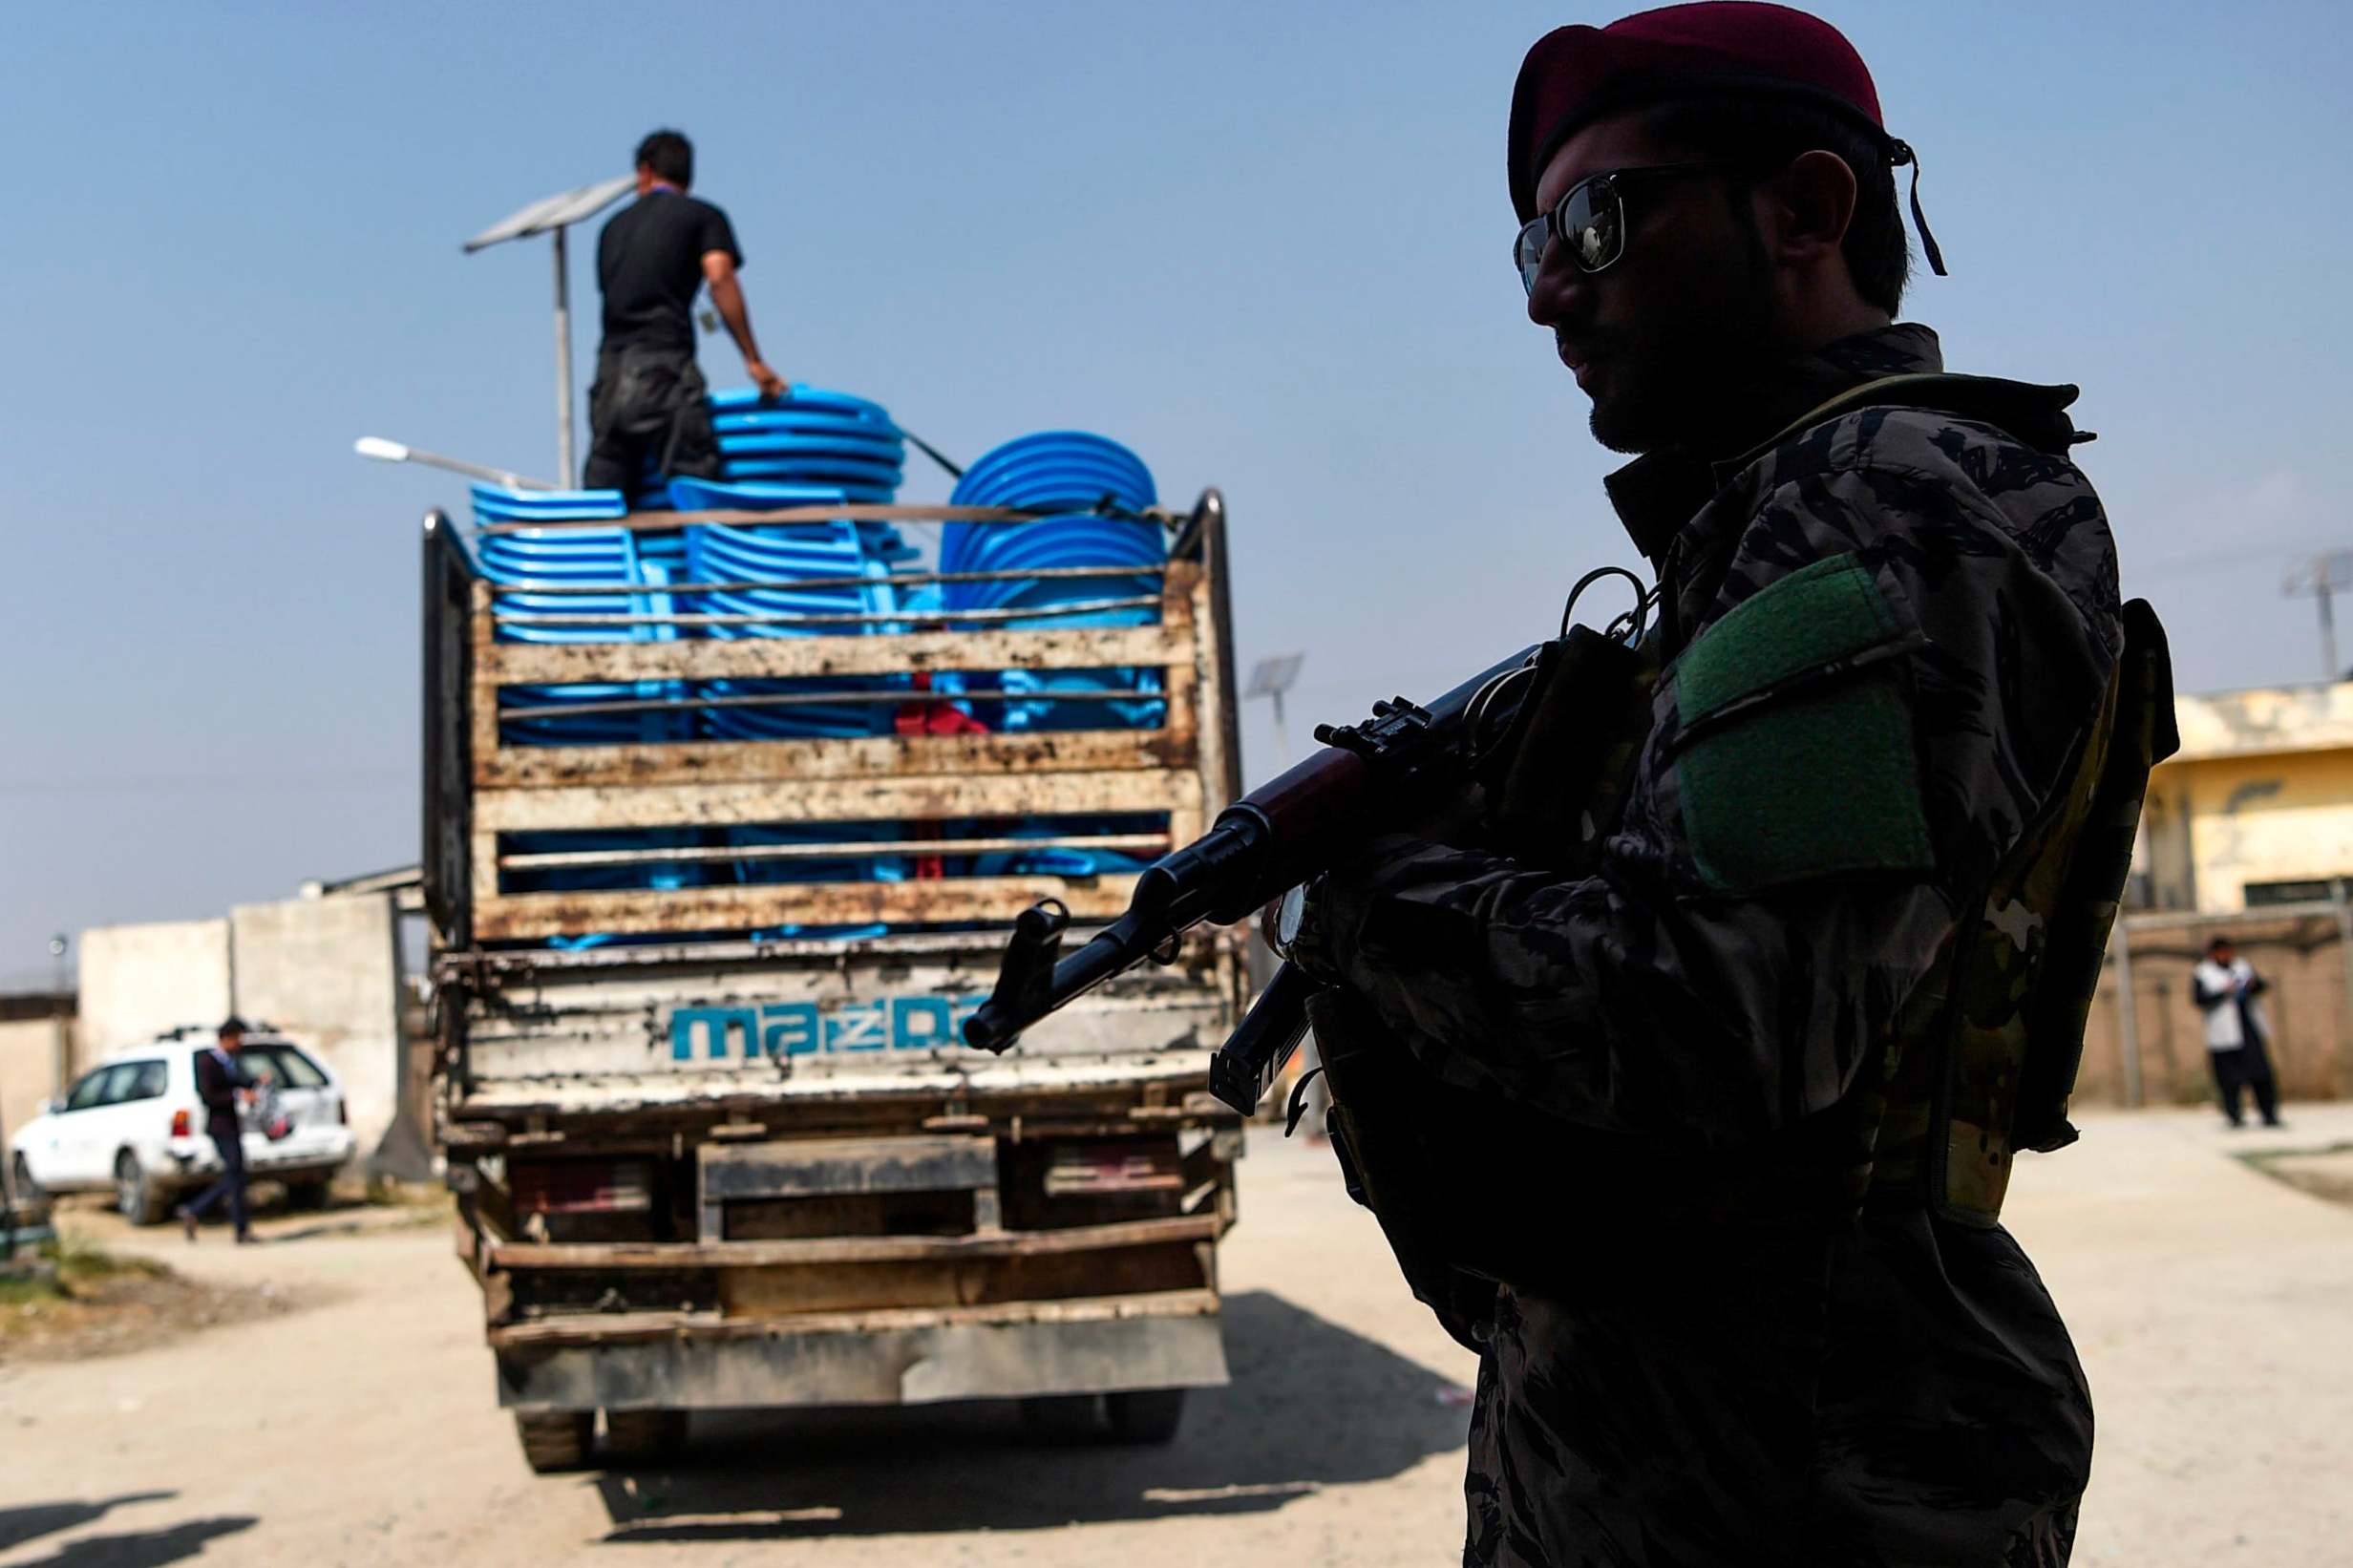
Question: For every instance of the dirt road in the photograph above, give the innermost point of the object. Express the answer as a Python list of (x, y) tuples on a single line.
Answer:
[(2208, 1301)]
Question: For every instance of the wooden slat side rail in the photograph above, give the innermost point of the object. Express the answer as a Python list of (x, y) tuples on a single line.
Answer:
[(1181, 677), (482, 718), (482, 871), (1148, 844), (665, 523), (484, 699), (835, 801), (836, 621), (1070, 647), (850, 1249), (868, 778), (530, 916), (898, 579), (753, 761), (1213, 734)]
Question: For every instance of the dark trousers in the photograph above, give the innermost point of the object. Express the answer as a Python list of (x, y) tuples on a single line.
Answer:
[(647, 420), (232, 1182), (2249, 1067)]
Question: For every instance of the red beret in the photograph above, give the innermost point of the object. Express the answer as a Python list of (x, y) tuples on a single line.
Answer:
[(1577, 75)]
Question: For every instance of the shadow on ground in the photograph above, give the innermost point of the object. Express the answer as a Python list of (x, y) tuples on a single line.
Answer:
[(133, 1548), (1311, 1405), (19, 1525), (2325, 1172), (276, 1220), (363, 1221)]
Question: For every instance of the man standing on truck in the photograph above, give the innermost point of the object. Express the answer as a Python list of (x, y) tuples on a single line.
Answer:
[(646, 409), (1739, 1076)]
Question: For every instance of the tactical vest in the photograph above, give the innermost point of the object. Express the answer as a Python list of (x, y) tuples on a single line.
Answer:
[(1981, 1064), (1983, 1061), (1984, 1058)]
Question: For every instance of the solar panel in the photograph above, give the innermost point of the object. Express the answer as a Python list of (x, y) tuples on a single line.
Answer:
[(557, 211), (2330, 573), (1273, 677)]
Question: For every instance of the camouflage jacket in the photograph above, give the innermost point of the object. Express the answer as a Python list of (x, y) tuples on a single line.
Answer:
[(1888, 642)]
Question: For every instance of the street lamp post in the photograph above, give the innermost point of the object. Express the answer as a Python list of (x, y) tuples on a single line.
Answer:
[(554, 215), (60, 1020), (1270, 678), (2323, 576)]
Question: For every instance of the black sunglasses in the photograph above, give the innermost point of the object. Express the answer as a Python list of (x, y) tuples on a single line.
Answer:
[(1591, 219)]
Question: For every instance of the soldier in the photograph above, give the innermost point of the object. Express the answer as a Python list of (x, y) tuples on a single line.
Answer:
[(1696, 1119)]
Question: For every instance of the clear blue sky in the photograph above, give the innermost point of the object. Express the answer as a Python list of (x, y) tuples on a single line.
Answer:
[(1263, 245)]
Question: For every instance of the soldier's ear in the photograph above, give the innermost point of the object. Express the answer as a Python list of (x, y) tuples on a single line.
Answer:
[(1805, 208)]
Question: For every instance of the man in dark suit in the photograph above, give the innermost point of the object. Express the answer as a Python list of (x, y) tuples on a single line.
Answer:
[(221, 1083)]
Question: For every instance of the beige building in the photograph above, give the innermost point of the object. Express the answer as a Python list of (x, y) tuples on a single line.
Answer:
[(2257, 807), (2248, 832)]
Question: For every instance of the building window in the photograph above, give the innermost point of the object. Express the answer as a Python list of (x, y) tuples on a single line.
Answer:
[(2262, 895)]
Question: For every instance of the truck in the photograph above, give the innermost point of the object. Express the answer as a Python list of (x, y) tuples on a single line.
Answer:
[(717, 1144)]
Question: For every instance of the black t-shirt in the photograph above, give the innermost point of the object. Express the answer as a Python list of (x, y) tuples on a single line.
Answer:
[(650, 262)]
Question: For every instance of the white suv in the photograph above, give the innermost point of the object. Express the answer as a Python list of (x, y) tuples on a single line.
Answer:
[(134, 1124)]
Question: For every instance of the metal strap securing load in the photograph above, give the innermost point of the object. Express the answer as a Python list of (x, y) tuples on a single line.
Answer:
[(813, 699), (841, 511), (1017, 575), (793, 617)]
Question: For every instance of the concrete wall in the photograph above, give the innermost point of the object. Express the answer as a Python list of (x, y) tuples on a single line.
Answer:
[(2261, 792), (2311, 1025), (326, 973), (28, 1068), (138, 981)]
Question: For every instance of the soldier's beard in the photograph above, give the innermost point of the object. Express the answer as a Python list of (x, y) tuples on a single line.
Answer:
[(1691, 381)]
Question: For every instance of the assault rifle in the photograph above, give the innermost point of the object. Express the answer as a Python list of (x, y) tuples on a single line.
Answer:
[(1369, 779)]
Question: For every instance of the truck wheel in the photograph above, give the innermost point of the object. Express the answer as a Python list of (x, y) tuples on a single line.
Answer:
[(307, 1195), (136, 1194), (643, 1437), (1146, 1416), (554, 1440)]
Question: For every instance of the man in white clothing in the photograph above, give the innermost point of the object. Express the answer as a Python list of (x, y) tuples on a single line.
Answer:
[(2225, 987)]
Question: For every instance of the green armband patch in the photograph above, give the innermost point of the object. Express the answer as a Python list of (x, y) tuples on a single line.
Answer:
[(1796, 751)]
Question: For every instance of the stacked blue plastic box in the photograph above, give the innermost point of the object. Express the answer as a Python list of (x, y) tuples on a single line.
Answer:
[(831, 578)]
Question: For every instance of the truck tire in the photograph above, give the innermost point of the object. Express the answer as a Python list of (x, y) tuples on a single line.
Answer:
[(308, 1196), (1146, 1416), (554, 1440), (643, 1437), (136, 1194)]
